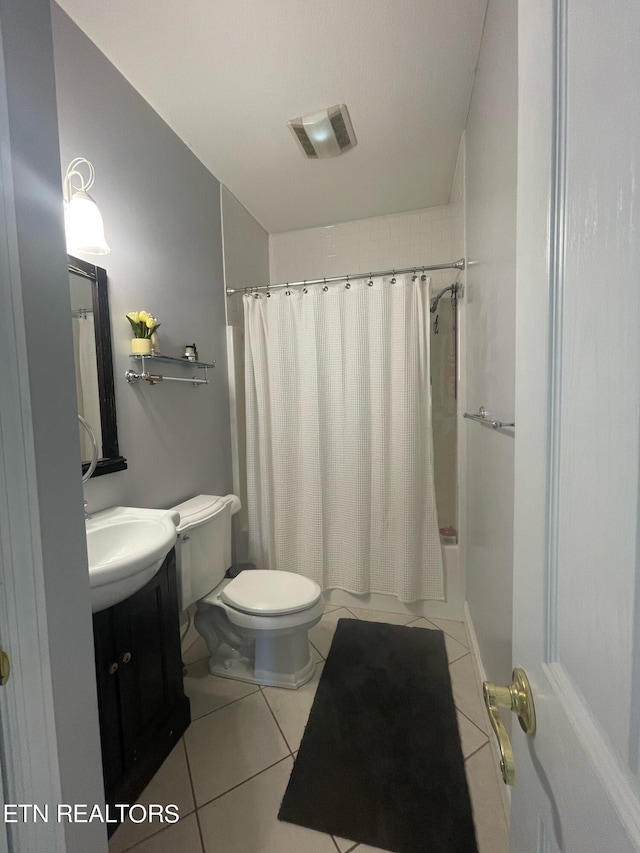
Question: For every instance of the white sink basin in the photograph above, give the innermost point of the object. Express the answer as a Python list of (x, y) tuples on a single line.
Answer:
[(126, 547)]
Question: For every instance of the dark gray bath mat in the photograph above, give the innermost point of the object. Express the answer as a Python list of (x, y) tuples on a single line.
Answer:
[(380, 762)]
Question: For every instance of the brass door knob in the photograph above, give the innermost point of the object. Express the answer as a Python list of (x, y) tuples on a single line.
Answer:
[(517, 697), (5, 667)]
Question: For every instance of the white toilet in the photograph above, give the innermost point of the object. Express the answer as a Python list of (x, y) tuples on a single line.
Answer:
[(255, 625)]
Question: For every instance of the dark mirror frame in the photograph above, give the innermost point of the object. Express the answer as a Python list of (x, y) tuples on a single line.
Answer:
[(111, 459)]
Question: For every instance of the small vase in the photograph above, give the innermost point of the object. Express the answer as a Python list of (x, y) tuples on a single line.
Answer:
[(155, 344), (140, 346)]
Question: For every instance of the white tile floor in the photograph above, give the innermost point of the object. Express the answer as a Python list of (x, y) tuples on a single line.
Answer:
[(229, 772)]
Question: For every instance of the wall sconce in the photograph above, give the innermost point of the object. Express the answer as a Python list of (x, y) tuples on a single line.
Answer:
[(82, 219)]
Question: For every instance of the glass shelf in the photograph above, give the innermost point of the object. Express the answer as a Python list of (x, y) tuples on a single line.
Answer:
[(170, 359), (154, 378)]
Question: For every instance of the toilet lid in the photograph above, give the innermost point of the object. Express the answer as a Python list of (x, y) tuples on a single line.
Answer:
[(270, 593)]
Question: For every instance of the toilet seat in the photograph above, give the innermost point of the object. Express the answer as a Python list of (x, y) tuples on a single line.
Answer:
[(265, 592)]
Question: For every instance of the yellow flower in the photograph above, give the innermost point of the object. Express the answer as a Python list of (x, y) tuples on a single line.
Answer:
[(142, 323)]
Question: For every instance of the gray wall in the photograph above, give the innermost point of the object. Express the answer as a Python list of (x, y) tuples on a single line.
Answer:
[(161, 210), (490, 320), (246, 253), (246, 262)]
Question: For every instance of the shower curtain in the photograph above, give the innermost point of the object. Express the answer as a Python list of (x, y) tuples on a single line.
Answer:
[(339, 442), (84, 345)]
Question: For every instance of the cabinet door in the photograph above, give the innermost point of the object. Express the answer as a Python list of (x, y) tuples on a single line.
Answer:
[(150, 667), (108, 699)]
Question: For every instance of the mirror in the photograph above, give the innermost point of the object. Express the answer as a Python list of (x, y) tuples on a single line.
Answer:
[(93, 363)]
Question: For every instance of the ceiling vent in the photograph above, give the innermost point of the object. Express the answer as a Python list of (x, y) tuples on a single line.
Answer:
[(324, 134)]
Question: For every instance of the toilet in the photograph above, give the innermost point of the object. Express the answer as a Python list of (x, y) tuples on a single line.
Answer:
[(255, 625)]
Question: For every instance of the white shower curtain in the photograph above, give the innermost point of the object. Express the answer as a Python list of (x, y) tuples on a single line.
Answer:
[(84, 344), (339, 442)]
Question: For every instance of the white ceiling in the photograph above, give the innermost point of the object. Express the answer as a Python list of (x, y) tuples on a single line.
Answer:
[(226, 75)]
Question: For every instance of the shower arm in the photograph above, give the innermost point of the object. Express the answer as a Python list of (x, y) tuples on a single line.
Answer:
[(454, 288)]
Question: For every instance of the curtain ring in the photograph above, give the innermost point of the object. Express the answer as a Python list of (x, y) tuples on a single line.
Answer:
[(415, 276), (370, 282), (423, 277), (347, 285), (324, 286), (287, 291), (393, 277), (268, 293)]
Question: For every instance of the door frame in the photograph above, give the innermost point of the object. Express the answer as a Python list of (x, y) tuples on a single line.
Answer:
[(29, 742), (48, 708)]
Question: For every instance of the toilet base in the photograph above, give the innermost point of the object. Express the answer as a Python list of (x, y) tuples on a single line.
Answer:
[(272, 651), (242, 668)]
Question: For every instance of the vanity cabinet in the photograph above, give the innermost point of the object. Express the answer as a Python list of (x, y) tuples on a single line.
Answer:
[(142, 706)]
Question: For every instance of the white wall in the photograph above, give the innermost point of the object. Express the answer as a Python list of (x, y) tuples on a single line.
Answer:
[(490, 335), (161, 209), (246, 262), (364, 245)]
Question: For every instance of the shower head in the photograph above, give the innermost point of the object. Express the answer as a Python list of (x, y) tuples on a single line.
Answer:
[(433, 305)]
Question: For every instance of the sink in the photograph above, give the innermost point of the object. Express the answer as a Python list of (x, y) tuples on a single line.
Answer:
[(126, 547)]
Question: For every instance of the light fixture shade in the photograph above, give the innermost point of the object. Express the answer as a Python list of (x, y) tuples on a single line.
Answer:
[(324, 134), (84, 226), (82, 219)]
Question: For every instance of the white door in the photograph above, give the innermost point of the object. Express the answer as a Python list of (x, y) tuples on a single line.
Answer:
[(577, 569)]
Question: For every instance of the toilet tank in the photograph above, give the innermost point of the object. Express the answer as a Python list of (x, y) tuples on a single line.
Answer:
[(203, 547)]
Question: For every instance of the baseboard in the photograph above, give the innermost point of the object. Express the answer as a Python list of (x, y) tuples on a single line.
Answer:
[(481, 676)]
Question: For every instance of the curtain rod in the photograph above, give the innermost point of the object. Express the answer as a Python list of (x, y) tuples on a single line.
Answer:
[(456, 265)]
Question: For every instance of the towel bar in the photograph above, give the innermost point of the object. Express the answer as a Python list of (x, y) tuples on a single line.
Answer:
[(482, 418)]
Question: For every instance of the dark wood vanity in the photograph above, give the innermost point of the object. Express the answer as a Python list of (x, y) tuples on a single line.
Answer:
[(142, 706)]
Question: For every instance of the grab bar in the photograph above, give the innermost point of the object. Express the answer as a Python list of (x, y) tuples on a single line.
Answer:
[(482, 418)]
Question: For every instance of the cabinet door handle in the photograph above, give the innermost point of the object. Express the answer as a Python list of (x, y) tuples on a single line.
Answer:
[(113, 668), (126, 657)]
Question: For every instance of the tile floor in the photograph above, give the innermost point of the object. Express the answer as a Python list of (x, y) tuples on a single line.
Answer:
[(230, 770)]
